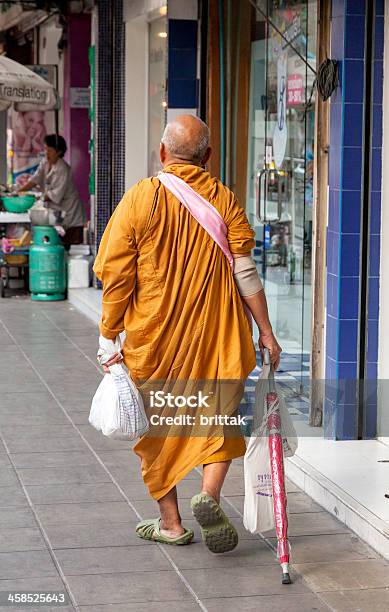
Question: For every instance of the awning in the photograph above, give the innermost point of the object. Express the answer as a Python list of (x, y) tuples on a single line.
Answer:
[(23, 87)]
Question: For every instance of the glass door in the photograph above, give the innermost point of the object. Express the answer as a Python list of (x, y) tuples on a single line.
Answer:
[(280, 172)]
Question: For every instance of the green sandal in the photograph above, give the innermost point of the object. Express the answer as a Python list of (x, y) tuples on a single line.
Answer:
[(150, 530), (218, 533)]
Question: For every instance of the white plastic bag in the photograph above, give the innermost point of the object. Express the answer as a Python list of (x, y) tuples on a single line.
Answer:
[(258, 514), (117, 406)]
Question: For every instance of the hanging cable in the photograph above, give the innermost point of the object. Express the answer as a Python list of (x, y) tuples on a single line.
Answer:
[(327, 78)]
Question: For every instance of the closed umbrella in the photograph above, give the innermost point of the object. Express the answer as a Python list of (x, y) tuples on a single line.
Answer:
[(21, 86), (278, 475)]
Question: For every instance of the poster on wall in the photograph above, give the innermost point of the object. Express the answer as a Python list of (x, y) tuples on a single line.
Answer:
[(280, 136), (28, 128)]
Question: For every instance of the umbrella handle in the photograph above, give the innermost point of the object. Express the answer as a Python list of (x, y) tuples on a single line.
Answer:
[(266, 362), (266, 357)]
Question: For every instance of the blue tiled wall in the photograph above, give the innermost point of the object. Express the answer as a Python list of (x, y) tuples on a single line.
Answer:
[(182, 72), (344, 216)]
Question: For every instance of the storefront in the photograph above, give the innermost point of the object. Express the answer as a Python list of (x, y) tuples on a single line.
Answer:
[(266, 125)]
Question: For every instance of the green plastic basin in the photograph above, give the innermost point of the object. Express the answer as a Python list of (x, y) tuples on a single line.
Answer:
[(18, 204)]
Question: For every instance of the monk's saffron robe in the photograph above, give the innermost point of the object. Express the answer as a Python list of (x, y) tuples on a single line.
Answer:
[(169, 286)]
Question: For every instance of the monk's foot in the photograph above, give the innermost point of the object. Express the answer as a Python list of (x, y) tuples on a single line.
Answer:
[(150, 529), (212, 494), (218, 533), (171, 532)]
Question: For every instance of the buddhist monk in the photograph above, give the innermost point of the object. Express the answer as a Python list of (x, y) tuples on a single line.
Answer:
[(171, 288)]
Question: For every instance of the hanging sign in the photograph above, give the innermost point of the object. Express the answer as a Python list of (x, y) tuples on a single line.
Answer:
[(296, 90), (79, 97)]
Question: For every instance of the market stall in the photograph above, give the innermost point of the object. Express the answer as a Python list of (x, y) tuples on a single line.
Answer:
[(21, 87)]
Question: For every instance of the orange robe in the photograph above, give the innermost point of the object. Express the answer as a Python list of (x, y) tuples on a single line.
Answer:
[(171, 288)]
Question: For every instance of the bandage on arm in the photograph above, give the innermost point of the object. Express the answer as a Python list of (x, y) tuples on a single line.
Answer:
[(246, 276)]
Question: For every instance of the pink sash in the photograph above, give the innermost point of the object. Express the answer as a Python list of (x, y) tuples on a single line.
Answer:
[(204, 213)]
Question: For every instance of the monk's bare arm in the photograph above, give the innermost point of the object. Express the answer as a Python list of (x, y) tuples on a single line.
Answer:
[(257, 305)]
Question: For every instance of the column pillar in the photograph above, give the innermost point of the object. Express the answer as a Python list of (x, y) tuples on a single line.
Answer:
[(353, 226)]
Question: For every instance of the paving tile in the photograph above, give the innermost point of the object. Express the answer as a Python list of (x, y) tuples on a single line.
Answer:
[(4, 461), (12, 402), (233, 486), (80, 417), (64, 475), (367, 600), (10, 432), (291, 487), (303, 602), (12, 496), (37, 339), (24, 445), (86, 376), (345, 575), (68, 514), (135, 490), (119, 458), (27, 538), (297, 502), (74, 493), (83, 404), (313, 523), (160, 606), (26, 564), (334, 547), (237, 581), (45, 417), (247, 553), (7, 374), (193, 475), (16, 517), (23, 387), (87, 388), (120, 588), (111, 560), (53, 459), (100, 442), (126, 474), (87, 536)]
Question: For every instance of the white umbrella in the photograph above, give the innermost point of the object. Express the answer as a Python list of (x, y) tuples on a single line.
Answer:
[(22, 86)]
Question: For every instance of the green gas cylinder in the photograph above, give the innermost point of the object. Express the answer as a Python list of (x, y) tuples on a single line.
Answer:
[(47, 265)]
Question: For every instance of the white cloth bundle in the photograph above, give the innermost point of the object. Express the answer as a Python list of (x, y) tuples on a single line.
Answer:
[(117, 406)]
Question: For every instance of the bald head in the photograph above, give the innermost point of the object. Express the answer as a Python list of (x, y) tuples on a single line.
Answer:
[(185, 139)]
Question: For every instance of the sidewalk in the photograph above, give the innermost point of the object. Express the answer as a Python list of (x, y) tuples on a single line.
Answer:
[(70, 499)]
